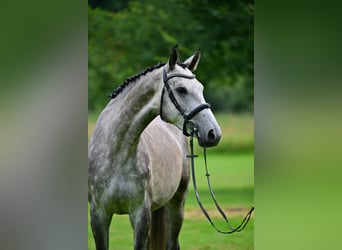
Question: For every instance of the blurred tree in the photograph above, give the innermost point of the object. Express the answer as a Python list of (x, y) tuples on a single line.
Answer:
[(126, 38), (110, 5)]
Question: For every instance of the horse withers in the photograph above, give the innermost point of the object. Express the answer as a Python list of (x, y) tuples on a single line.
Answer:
[(137, 152)]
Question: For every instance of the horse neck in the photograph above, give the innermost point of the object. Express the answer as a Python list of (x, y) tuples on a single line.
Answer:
[(132, 110)]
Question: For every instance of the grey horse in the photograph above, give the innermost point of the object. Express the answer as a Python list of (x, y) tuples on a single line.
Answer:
[(137, 153)]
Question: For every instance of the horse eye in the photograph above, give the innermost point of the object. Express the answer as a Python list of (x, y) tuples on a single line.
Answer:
[(181, 90)]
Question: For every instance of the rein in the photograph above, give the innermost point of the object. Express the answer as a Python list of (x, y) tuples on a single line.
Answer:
[(231, 228)]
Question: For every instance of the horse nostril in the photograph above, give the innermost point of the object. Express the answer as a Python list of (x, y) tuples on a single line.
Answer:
[(211, 136)]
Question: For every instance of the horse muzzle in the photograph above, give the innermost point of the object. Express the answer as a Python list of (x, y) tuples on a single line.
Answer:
[(204, 128), (209, 138)]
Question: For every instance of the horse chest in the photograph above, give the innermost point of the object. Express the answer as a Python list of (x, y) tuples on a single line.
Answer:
[(156, 178)]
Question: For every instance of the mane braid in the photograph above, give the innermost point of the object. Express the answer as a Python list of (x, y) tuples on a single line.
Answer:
[(119, 89)]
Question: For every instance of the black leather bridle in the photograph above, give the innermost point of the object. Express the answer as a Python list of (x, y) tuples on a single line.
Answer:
[(187, 116)]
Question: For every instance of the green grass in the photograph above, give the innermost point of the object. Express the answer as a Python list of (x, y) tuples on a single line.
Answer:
[(231, 176), (195, 235), (198, 235), (232, 179)]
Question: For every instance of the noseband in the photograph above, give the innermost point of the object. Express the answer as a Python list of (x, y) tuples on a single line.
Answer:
[(187, 116)]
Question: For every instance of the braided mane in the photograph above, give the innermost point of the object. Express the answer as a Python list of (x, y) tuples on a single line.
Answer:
[(123, 85), (131, 79)]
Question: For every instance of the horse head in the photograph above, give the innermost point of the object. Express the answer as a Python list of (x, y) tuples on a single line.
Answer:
[(185, 105)]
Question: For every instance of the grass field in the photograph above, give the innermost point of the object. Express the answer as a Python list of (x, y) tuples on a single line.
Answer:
[(232, 178)]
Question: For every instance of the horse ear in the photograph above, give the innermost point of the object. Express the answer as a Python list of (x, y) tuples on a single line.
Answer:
[(173, 57), (192, 62)]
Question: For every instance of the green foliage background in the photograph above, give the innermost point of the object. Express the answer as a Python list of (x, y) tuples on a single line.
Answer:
[(125, 37)]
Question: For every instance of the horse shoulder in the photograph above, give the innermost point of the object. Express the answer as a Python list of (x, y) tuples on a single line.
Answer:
[(163, 145)]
